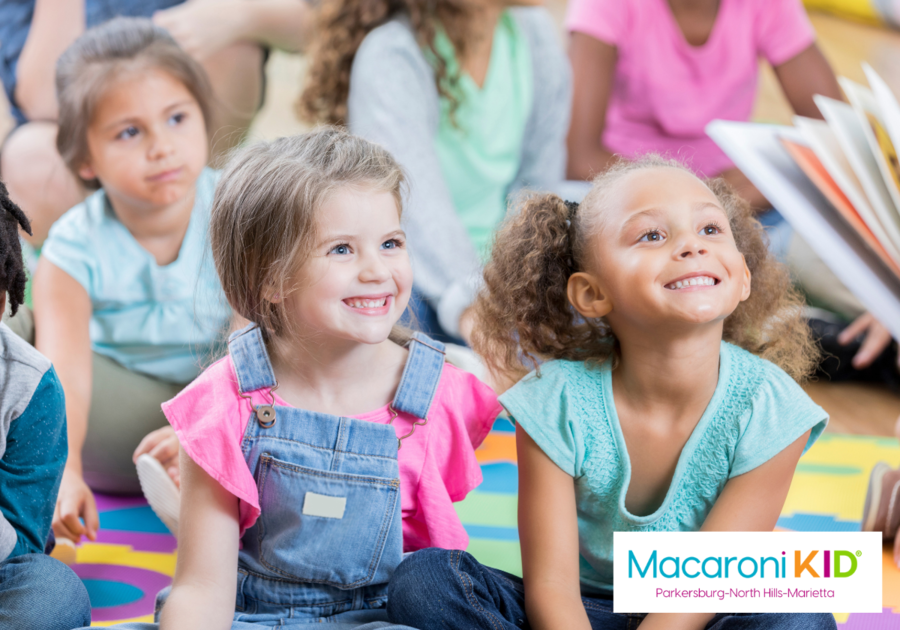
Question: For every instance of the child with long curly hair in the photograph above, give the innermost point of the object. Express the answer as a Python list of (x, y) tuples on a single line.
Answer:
[(666, 343)]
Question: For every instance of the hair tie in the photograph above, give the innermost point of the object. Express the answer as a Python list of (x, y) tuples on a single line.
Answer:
[(572, 207)]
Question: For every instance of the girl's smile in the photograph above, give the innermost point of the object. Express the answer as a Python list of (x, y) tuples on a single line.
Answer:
[(693, 281), (370, 305)]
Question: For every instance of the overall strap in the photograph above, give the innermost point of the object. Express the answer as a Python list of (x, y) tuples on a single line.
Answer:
[(251, 361), (420, 376)]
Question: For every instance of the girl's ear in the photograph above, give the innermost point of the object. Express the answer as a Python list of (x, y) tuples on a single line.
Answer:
[(86, 172), (586, 295), (745, 289), (271, 295)]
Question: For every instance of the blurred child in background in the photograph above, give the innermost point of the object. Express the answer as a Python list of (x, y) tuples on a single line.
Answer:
[(471, 98), (127, 305)]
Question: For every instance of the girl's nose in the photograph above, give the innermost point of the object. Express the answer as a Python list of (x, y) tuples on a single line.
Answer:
[(161, 146), (373, 269), (692, 247)]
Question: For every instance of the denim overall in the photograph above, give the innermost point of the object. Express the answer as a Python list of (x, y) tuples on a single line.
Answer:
[(329, 535)]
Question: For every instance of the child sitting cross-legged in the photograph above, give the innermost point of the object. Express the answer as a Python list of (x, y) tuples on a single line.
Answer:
[(127, 304), (667, 342)]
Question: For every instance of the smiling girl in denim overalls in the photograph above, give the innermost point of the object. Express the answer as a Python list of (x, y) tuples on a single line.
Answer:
[(328, 442)]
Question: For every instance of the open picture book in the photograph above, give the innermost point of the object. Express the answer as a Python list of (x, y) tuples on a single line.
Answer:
[(837, 182)]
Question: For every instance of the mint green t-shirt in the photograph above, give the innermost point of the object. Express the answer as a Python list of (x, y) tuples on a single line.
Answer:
[(756, 411), (480, 147), (162, 321)]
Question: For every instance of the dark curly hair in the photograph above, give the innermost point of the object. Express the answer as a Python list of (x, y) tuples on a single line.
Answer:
[(343, 24), (524, 315), (12, 267)]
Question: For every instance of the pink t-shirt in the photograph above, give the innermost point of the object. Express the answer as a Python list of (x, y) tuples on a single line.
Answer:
[(437, 463), (665, 90)]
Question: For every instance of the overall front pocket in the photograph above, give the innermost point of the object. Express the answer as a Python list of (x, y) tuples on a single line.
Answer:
[(323, 526)]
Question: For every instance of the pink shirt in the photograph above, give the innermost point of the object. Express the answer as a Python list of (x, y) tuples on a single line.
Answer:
[(665, 91), (437, 463)]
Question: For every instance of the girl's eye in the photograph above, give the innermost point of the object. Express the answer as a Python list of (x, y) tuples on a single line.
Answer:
[(392, 244), (177, 118), (651, 236), (340, 250), (128, 132), (711, 229)]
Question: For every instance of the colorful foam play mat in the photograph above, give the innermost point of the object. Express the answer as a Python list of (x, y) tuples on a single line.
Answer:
[(134, 556)]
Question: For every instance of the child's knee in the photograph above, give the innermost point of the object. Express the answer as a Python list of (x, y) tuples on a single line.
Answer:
[(47, 594), (423, 576)]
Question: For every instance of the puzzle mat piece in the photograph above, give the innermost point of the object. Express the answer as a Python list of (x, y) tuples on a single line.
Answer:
[(131, 561)]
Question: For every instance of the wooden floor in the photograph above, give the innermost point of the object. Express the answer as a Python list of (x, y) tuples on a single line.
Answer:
[(857, 409)]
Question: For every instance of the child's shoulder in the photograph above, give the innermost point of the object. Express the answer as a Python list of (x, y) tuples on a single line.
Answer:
[(462, 397), (753, 378), (768, 409), (211, 396), (22, 370), (83, 219)]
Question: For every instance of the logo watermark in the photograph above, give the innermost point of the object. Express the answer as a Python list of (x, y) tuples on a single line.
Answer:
[(747, 571)]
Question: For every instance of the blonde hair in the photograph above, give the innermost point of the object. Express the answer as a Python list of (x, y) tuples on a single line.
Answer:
[(524, 315), (100, 56), (263, 223)]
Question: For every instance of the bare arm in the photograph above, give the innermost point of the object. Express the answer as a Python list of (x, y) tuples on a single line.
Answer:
[(805, 75), (593, 66), (204, 27), (203, 590), (55, 25), (742, 507), (548, 531), (62, 315)]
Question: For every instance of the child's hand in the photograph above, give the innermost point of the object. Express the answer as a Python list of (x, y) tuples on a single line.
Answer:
[(75, 502), (203, 28), (163, 446), (877, 338)]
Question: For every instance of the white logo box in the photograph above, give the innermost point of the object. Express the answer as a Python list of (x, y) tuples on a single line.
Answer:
[(696, 562)]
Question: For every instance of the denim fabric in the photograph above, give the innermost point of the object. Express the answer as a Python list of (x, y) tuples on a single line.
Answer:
[(37, 591), (440, 589), (423, 367), (299, 564)]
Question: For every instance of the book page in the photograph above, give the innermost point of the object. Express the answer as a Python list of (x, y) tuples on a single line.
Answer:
[(822, 140), (758, 152), (850, 133), (867, 111), (812, 167)]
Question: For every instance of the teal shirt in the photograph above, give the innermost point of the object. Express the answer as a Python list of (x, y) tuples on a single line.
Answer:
[(756, 411), (162, 321), (480, 147)]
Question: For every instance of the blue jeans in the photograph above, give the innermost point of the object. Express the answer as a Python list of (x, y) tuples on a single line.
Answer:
[(37, 591), (447, 589)]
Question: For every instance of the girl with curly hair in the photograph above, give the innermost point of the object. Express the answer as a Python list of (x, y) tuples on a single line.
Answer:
[(666, 343), (472, 98)]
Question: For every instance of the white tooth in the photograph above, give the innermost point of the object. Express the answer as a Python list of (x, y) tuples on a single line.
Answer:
[(679, 284)]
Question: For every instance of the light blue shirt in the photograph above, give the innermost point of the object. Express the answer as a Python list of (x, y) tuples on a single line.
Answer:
[(162, 321), (756, 411)]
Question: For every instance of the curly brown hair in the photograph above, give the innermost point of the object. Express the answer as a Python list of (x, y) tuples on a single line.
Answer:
[(524, 315), (343, 24)]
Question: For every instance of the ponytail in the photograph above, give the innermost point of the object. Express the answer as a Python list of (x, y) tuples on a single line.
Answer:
[(524, 315)]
